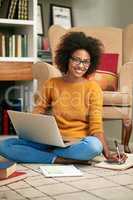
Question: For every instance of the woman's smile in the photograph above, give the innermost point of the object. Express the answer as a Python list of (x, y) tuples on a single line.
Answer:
[(79, 63)]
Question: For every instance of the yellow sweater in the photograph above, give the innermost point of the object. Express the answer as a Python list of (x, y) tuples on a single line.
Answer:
[(77, 106)]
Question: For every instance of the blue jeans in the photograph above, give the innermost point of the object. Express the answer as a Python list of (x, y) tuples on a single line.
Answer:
[(24, 151)]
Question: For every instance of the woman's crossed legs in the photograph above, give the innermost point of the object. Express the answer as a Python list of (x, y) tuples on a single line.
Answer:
[(24, 151)]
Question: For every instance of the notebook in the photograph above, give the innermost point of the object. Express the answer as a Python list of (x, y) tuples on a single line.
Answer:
[(7, 168), (124, 166), (60, 170), (16, 176), (37, 128)]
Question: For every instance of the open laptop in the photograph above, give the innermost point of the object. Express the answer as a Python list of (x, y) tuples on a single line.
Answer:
[(37, 128)]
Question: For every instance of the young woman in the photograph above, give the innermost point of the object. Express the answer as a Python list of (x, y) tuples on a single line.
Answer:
[(76, 104)]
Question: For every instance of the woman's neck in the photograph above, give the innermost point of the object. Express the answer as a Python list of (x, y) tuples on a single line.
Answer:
[(67, 77)]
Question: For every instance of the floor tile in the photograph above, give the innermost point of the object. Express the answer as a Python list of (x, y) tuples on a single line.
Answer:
[(30, 192), (18, 185), (34, 177), (32, 166), (95, 184), (4, 188), (43, 198), (116, 193), (55, 189), (92, 184), (10, 195), (122, 179), (130, 186), (102, 172), (76, 178), (77, 196), (22, 168), (40, 181), (129, 171), (32, 173)]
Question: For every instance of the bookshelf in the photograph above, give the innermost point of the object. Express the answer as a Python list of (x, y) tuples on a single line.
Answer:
[(15, 66), (45, 55), (18, 49)]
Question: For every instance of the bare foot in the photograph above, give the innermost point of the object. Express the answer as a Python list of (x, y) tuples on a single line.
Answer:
[(127, 149)]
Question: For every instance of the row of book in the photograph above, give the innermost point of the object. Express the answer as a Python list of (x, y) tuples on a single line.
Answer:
[(44, 49), (45, 55), (14, 9), (5, 122), (15, 45)]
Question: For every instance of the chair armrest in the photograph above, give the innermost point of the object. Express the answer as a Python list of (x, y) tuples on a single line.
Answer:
[(43, 71), (126, 77)]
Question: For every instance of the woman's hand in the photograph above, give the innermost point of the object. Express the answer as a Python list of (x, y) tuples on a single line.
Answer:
[(115, 158), (111, 157)]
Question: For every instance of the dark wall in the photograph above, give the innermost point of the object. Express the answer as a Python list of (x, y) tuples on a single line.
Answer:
[(46, 10)]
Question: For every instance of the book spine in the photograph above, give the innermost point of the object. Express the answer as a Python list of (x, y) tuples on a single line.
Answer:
[(7, 45), (22, 9), (13, 45), (12, 9), (19, 45), (3, 46), (0, 44), (5, 122), (24, 45), (16, 45), (19, 9), (26, 10), (10, 46)]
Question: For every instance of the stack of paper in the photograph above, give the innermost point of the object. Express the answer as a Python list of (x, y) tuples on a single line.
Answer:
[(60, 170)]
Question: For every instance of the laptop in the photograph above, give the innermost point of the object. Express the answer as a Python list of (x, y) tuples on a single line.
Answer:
[(37, 128)]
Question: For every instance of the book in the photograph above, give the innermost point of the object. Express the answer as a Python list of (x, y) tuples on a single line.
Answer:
[(6, 168), (12, 9), (3, 46), (0, 44), (117, 166), (60, 170), (6, 124), (24, 45), (16, 176), (23, 9)]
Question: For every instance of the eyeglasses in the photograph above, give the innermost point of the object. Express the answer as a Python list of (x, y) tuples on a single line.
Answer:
[(78, 61)]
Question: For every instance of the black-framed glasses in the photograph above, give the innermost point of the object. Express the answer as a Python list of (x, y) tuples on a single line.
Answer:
[(78, 61)]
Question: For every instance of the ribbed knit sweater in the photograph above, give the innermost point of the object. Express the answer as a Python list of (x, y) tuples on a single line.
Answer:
[(77, 106)]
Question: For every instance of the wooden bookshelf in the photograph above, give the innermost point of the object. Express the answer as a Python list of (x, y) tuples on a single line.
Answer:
[(10, 71), (15, 64), (19, 67)]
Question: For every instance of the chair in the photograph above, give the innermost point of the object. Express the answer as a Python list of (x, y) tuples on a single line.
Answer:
[(117, 104)]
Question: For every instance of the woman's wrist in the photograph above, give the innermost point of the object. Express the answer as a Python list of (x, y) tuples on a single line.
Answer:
[(106, 154)]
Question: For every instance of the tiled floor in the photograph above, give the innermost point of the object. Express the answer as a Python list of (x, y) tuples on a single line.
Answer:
[(95, 184)]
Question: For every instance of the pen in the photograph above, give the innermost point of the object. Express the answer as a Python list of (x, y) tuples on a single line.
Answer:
[(118, 151)]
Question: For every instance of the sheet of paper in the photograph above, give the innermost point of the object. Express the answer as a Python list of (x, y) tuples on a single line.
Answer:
[(126, 165), (60, 170)]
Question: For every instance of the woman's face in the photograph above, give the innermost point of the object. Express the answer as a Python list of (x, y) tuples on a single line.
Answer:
[(79, 63)]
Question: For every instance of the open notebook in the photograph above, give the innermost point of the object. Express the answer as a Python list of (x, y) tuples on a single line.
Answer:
[(126, 165), (60, 170)]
